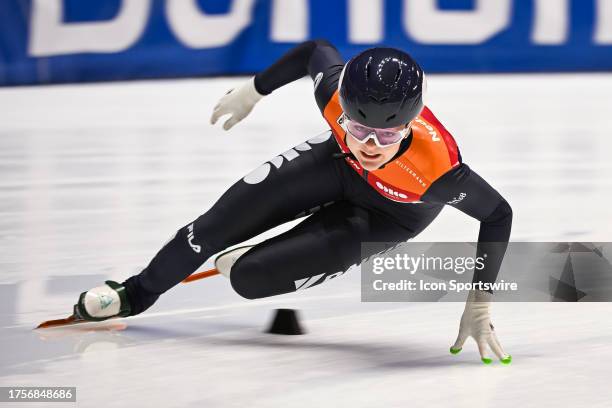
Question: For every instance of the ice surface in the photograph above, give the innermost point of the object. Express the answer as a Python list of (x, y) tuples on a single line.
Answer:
[(94, 178)]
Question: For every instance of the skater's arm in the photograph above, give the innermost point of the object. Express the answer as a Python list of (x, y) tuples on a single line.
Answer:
[(462, 188), (317, 58), (465, 190)]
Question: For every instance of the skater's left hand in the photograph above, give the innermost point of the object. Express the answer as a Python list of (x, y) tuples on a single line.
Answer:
[(476, 323)]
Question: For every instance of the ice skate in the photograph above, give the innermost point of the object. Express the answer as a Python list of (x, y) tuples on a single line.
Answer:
[(102, 303)]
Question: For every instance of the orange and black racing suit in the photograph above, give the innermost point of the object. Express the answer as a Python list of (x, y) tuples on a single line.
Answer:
[(343, 204)]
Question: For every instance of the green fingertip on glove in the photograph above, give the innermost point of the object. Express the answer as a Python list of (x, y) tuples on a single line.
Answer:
[(486, 360)]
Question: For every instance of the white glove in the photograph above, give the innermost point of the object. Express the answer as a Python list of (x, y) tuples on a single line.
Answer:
[(476, 322), (238, 103)]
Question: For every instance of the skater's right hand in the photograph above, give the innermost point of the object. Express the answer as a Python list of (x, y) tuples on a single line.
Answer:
[(237, 102)]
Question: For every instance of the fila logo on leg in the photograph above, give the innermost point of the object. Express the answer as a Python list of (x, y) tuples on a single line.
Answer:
[(196, 248)]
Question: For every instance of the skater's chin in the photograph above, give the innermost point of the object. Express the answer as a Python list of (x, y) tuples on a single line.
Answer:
[(370, 161)]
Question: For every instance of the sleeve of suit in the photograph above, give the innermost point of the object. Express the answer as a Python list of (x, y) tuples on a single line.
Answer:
[(317, 58), (465, 190)]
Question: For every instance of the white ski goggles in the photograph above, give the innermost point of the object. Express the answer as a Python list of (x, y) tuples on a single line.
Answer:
[(383, 137)]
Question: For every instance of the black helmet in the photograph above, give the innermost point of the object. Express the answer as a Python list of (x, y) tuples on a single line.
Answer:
[(382, 88)]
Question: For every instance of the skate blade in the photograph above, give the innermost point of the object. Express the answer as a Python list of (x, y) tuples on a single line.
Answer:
[(71, 321), (201, 275), (59, 322)]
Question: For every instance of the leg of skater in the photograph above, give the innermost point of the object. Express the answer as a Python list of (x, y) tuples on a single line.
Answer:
[(318, 249), (278, 191)]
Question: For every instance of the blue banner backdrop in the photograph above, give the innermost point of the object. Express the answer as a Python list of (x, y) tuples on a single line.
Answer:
[(54, 41)]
